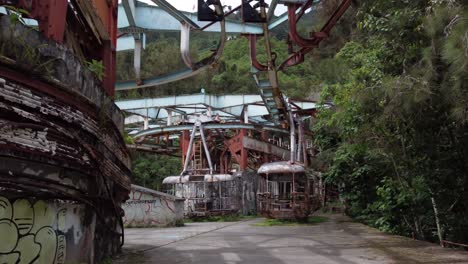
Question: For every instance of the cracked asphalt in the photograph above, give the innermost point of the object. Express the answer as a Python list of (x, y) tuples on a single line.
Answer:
[(338, 240)]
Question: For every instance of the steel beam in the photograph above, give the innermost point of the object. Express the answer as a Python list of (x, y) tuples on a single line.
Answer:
[(180, 128), (129, 7), (215, 101), (225, 105), (158, 80), (271, 9), (180, 16), (154, 19)]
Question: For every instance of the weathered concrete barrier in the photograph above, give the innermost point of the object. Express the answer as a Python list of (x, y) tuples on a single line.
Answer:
[(149, 208)]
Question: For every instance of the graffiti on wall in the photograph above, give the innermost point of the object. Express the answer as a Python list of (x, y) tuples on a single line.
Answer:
[(33, 232), (145, 209)]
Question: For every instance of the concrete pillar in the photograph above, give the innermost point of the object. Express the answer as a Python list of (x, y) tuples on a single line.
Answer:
[(244, 154), (137, 59), (210, 111), (246, 114), (146, 123), (169, 117)]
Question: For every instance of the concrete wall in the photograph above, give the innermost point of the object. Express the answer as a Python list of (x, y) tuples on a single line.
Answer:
[(41, 231), (149, 208), (249, 192)]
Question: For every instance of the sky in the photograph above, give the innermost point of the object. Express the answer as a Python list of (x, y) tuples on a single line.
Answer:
[(191, 5)]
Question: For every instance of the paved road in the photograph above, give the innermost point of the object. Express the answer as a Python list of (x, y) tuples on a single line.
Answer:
[(336, 241)]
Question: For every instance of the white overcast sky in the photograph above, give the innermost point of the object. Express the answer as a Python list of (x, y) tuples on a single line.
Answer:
[(191, 5)]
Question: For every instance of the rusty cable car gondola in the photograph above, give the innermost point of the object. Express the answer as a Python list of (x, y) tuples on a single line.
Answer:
[(205, 194), (283, 187)]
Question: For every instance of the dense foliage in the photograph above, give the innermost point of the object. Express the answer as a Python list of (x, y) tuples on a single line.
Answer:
[(395, 141), (149, 170)]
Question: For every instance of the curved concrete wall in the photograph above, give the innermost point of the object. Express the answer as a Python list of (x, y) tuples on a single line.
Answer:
[(64, 167)]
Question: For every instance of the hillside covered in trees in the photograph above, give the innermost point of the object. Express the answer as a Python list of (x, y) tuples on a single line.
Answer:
[(395, 142)]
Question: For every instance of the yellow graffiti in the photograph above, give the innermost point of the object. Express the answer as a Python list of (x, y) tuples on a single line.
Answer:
[(28, 233)]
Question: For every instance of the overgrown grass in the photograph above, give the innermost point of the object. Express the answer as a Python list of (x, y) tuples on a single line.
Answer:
[(328, 208), (312, 220), (107, 260), (221, 218)]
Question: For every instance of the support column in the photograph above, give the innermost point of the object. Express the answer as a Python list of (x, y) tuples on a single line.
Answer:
[(169, 117), (137, 60), (246, 114), (210, 111), (184, 142), (244, 154), (264, 136), (146, 123)]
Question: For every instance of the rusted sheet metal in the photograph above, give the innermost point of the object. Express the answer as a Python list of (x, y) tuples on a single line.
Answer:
[(50, 15), (265, 147), (281, 167)]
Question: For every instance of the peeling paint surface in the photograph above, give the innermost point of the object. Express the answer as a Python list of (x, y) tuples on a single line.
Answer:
[(54, 128)]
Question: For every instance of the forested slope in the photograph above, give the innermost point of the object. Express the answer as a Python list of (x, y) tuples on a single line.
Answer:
[(396, 140)]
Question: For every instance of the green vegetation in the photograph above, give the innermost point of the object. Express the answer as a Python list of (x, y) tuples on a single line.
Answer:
[(96, 67), (220, 218), (107, 260), (395, 141), (149, 170), (179, 223), (312, 220)]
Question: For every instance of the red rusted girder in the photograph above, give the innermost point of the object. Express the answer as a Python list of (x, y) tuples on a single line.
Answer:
[(308, 44), (184, 143), (253, 53), (294, 58), (107, 11), (293, 19), (236, 147), (316, 37), (50, 15), (244, 152)]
